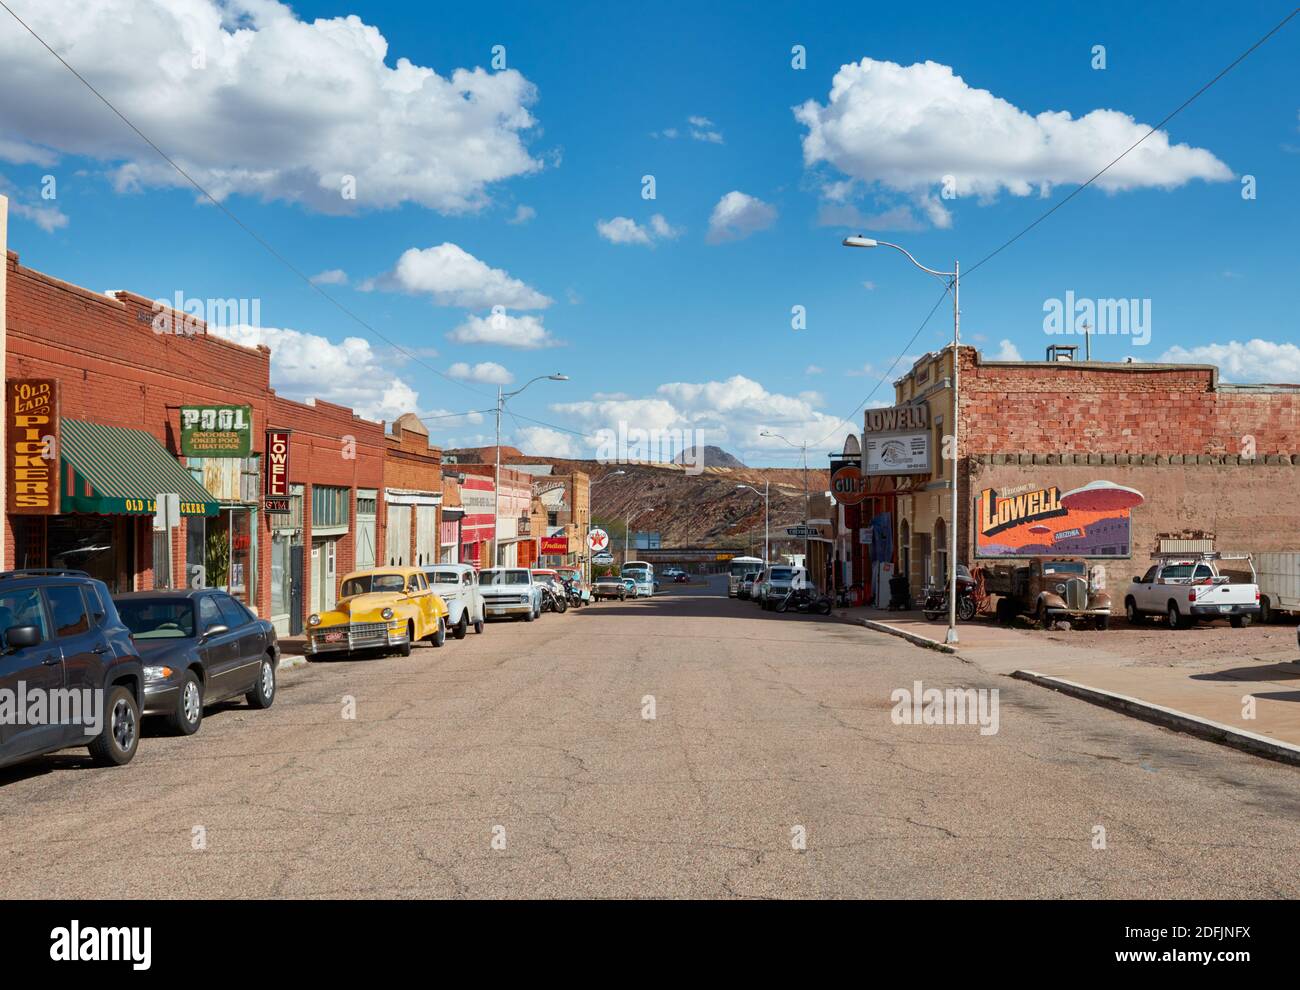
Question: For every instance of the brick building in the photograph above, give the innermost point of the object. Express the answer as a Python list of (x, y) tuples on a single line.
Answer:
[(566, 502), (120, 389), (1096, 459), (412, 495)]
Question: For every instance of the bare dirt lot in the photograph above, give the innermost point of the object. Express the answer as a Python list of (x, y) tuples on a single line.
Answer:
[(1150, 644)]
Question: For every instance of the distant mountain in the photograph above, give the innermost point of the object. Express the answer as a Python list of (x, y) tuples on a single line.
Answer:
[(713, 457)]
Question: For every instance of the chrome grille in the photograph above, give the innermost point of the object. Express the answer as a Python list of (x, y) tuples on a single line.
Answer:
[(1076, 593)]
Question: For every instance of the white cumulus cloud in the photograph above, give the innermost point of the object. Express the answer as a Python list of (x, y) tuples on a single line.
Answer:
[(1253, 360), (545, 442), (451, 276), (625, 230), (486, 372), (249, 99), (525, 332), (920, 128), (738, 215), (350, 373)]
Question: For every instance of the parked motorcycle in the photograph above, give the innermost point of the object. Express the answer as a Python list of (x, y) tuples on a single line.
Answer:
[(804, 600), (551, 602), (572, 593), (936, 598)]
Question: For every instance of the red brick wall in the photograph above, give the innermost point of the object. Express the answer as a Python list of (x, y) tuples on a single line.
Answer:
[(1249, 506), (1063, 408), (114, 369), (330, 445)]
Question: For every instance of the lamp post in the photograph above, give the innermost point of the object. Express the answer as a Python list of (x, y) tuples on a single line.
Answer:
[(955, 275), (496, 489), (764, 493), (804, 447), (612, 474)]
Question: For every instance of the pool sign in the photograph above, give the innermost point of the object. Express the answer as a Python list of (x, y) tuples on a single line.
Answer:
[(597, 540)]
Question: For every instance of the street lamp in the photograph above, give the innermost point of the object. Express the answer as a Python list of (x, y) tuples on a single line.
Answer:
[(612, 474), (764, 493), (955, 275), (804, 447), (496, 491)]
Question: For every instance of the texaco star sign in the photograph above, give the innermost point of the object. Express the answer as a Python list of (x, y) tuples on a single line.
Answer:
[(597, 540)]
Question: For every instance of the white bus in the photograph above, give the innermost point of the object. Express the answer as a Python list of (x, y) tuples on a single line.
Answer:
[(643, 574), (740, 566)]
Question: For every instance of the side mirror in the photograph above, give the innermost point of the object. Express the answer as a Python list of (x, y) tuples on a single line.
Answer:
[(1136, 579), (216, 630), (21, 637)]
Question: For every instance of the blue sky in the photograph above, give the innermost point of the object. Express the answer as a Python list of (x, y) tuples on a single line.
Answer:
[(683, 324)]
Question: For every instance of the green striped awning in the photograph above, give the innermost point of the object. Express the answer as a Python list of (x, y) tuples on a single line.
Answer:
[(115, 471)]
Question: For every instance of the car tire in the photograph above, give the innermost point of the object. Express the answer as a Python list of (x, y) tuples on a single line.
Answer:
[(1173, 618), (1044, 619), (439, 635), (187, 716), (263, 694), (405, 649), (479, 623), (530, 616), (1265, 611), (462, 627), (1103, 623), (120, 737), (1131, 612)]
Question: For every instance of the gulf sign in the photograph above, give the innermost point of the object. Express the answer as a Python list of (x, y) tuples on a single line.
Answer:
[(276, 477), (32, 446), (847, 485)]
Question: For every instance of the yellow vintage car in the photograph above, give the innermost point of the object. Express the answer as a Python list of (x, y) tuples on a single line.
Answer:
[(384, 608)]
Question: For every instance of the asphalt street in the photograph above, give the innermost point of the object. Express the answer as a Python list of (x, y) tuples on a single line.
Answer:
[(523, 763)]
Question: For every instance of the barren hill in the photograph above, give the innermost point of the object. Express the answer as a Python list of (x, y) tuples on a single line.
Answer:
[(685, 509)]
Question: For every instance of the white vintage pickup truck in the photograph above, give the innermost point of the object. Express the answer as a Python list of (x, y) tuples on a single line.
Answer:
[(1186, 588)]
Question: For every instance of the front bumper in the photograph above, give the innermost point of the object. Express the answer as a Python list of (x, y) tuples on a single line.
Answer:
[(501, 608), (355, 636), (160, 697)]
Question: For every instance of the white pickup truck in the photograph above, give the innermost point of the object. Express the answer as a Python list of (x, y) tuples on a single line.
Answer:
[(1183, 589)]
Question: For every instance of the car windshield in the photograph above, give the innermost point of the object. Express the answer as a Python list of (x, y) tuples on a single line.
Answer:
[(373, 583), (158, 618), (781, 574), (1074, 567), (443, 577), (504, 577), (1176, 572)]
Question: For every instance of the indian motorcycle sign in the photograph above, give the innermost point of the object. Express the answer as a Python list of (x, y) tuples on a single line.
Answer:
[(32, 454), (1027, 521)]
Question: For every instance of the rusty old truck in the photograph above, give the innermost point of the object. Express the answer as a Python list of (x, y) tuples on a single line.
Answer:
[(1050, 589)]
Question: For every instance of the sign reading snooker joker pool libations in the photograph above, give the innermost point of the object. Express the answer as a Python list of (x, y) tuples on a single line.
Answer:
[(216, 431), (1029, 521), (32, 408), (275, 499)]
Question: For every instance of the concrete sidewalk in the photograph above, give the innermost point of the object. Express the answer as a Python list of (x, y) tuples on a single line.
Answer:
[(1212, 690)]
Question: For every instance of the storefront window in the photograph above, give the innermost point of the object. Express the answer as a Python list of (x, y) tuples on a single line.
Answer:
[(102, 546), (230, 554)]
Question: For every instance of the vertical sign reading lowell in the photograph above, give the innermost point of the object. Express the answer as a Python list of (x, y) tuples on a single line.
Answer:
[(276, 491), (32, 442)]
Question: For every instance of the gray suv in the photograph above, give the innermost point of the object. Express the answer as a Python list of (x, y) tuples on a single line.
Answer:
[(69, 672)]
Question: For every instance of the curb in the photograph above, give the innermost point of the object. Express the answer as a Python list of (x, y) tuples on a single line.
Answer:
[(1170, 718), (918, 640)]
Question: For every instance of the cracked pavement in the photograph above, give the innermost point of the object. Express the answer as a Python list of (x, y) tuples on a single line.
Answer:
[(764, 723)]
